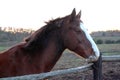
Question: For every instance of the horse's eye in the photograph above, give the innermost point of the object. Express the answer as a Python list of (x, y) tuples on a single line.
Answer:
[(78, 31)]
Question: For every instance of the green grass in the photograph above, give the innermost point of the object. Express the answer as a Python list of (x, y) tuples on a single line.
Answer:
[(109, 49), (6, 45), (2, 48)]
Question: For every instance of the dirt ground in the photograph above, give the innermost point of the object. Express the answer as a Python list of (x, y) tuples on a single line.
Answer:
[(110, 70)]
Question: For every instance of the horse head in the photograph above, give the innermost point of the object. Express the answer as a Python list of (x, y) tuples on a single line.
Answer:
[(76, 38)]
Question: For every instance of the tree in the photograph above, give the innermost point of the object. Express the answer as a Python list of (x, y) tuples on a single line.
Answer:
[(99, 41)]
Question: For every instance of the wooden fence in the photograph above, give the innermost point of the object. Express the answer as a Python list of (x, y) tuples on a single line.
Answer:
[(96, 67)]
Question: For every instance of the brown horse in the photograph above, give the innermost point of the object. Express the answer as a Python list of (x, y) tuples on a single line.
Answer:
[(40, 52)]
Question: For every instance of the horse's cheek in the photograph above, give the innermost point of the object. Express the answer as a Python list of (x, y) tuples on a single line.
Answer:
[(71, 42)]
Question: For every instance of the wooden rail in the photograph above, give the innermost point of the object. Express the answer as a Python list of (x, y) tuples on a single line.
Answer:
[(111, 58), (50, 74)]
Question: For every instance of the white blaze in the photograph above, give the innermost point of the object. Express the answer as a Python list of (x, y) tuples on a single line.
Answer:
[(94, 46)]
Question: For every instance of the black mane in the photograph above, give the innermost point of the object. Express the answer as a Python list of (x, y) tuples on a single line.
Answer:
[(41, 37)]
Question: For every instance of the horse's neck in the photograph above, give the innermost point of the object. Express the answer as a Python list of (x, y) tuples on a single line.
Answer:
[(51, 54)]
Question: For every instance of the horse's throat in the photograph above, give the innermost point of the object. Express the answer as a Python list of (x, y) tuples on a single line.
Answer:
[(51, 55)]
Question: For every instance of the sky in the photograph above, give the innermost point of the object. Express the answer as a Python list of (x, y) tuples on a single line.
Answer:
[(97, 15)]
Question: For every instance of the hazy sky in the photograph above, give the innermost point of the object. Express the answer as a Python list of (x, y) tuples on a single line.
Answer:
[(96, 14)]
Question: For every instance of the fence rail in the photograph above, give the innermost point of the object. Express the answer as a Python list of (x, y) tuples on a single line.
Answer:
[(96, 67), (111, 58), (50, 74)]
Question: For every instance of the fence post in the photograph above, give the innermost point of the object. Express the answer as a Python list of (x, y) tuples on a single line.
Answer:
[(97, 69)]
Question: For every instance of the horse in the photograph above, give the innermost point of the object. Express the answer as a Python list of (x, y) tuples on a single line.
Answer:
[(41, 50)]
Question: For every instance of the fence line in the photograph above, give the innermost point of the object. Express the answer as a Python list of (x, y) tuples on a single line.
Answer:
[(111, 58), (96, 66), (51, 74)]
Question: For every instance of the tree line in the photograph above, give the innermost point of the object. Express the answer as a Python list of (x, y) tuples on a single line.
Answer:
[(18, 34), (109, 33), (106, 34), (100, 41), (14, 34)]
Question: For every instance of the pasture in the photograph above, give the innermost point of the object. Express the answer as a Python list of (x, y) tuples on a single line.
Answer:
[(6, 45), (2, 48), (115, 38), (109, 49), (70, 60)]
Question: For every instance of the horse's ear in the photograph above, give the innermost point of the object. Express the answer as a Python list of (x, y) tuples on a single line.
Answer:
[(73, 14), (79, 14)]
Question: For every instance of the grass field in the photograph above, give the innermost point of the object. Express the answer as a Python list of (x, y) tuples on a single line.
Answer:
[(6, 45), (109, 49), (3, 48)]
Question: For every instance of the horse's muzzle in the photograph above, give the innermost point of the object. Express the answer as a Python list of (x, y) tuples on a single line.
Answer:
[(92, 58)]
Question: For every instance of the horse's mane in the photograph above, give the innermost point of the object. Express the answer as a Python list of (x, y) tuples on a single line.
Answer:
[(40, 38)]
